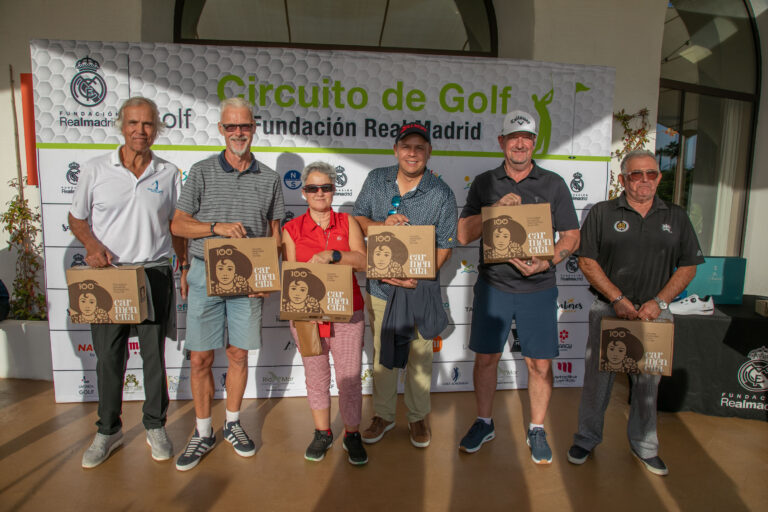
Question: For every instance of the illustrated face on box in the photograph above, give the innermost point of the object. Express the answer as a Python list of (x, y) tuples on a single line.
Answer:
[(302, 291), (231, 270), (503, 238), (386, 256), (90, 302), (621, 351)]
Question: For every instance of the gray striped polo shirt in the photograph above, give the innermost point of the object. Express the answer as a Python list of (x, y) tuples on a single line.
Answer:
[(217, 192)]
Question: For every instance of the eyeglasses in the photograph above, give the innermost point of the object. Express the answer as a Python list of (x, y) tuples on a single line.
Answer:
[(230, 128), (395, 205), (651, 174), (314, 189)]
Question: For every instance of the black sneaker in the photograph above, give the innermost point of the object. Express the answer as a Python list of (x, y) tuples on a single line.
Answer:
[(236, 436), (319, 445), (577, 454), (196, 448), (353, 445), (653, 464), (480, 432)]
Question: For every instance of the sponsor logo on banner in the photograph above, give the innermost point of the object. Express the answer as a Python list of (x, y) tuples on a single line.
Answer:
[(577, 187), (134, 347), (72, 175), (292, 179), (467, 182), (271, 378), (341, 177), (131, 384), (514, 345), (181, 308), (564, 374), (563, 337), (85, 388), (367, 377), (86, 348), (455, 378), (288, 345), (468, 268), (177, 382), (341, 181), (570, 306), (507, 375), (78, 260), (88, 87), (65, 228), (437, 344), (572, 270), (752, 376)]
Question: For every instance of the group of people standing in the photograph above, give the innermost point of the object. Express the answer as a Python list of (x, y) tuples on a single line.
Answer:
[(637, 251)]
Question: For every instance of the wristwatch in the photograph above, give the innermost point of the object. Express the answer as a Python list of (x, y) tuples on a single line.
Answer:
[(186, 266), (335, 256), (662, 305), (213, 224)]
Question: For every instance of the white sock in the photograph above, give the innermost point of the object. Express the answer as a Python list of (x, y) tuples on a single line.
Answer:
[(486, 420), (204, 426), (532, 426), (232, 416)]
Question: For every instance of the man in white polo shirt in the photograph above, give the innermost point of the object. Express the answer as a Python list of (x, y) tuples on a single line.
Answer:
[(121, 213)]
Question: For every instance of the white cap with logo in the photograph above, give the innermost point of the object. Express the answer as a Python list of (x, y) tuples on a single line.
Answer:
[(518, 121)]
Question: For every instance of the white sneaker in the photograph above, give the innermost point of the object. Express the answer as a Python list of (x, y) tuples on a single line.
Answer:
[(693, 305)]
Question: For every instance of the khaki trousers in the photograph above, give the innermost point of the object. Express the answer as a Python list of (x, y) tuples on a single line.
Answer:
[(418, 375)]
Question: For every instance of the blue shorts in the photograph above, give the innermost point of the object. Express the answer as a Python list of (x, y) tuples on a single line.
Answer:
[(210, 318), (534, 313)]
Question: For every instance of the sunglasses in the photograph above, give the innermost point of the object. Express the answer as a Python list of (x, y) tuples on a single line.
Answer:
[(314, 189), (396, 200), (651, 174), (231, 128)]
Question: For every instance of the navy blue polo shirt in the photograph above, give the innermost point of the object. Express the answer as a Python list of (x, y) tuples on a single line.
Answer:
[(431, 203), (638, 254), (540, 186)]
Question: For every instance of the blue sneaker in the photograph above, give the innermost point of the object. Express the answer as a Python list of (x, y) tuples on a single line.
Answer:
[(197, 447), (540, 451), (480, 432), (236, 436)]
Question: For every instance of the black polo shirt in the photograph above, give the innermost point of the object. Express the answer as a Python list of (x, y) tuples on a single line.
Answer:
[(638, 254), (540, 186)]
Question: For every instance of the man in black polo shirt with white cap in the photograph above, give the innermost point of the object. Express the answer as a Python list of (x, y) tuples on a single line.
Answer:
[(638, 253), (519, 290)]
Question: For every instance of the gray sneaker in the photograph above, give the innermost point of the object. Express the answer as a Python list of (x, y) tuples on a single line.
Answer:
[(157, 439), (100, 449)]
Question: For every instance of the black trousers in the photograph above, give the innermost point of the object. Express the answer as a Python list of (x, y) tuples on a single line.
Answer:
[(110, 343)]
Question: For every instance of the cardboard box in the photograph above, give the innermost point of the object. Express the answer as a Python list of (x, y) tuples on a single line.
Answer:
[(109, 295), (401, 251), (634, 346), (761, 307), (520, 231), (312, 291), (720, 277), (241, 266)]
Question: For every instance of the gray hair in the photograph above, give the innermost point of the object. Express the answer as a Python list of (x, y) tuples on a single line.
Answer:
[(322, 167), (138, 101), (635, 153), (236, 102)]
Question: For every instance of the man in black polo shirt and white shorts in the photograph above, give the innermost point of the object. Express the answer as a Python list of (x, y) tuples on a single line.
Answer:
[(638, 253), (519, 290)]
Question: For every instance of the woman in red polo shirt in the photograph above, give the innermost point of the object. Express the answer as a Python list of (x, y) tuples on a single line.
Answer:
[(322, 235)]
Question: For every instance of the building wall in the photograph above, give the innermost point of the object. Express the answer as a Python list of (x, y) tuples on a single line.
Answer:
[(756, 239)]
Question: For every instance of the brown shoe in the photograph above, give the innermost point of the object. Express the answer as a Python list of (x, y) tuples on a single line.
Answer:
[(420, 434), (379, 427)]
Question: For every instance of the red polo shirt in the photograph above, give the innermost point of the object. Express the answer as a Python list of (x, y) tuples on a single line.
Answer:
[(310, 239)]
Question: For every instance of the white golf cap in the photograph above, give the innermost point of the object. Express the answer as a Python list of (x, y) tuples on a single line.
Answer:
[(518, 121)]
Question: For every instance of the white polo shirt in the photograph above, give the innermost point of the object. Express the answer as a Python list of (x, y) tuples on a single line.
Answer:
[(130, 216)]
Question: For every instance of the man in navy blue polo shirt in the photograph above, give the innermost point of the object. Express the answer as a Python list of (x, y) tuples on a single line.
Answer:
[(638, 253), (519, 290), (405, 193)]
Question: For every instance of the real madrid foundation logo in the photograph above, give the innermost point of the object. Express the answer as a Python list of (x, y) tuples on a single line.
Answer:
[(577, 183), (73, 173), (753, 375), (621, 226), (88, 87), (572, 265), (341, 178)]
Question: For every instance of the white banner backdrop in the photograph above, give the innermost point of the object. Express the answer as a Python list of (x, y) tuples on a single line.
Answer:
[(341, 107)]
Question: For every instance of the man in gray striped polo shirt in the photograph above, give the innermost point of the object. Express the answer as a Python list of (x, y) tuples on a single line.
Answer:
[(229, 195)]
